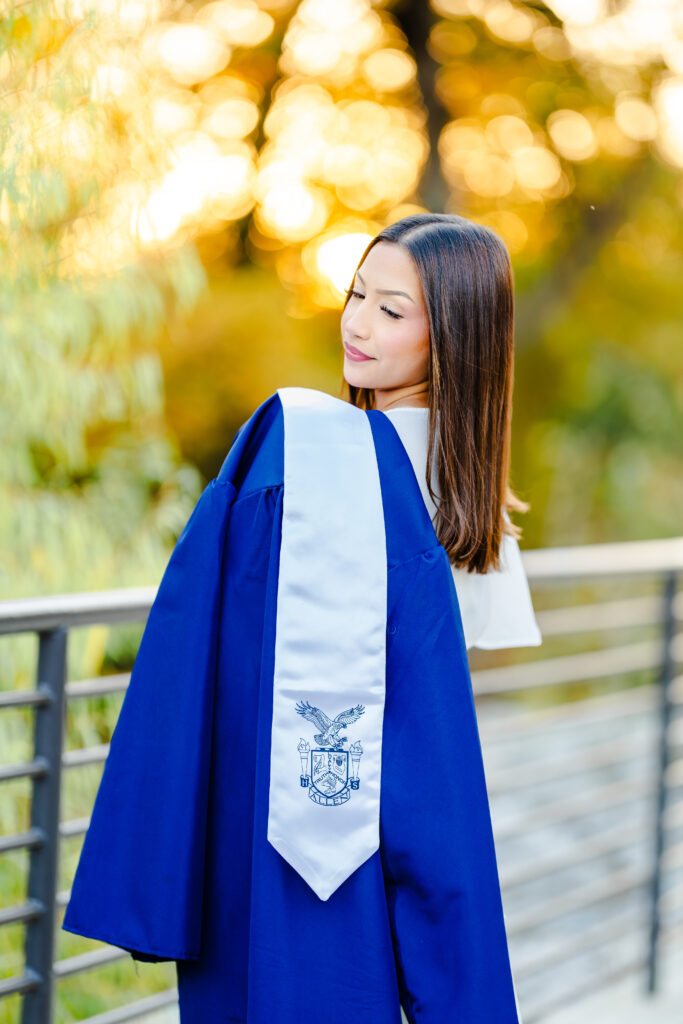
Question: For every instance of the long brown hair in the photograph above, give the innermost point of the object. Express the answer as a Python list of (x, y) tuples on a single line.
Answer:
[(467, 284)]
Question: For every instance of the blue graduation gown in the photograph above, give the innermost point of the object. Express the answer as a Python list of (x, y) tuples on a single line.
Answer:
[(176, 864)]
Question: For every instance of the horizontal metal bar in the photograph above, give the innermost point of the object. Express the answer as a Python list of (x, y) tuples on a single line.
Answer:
[(28, 911), (674, 773), (675, 733), (24, 699), (672, 932), (602, 615), (568, 669), (31, 839), (590, 894), (596, 561), (132, 1011), (672, 858), (537, 1012), (20, 984), (62, 897), (672, 899), (104, 954), (86, 755), (74, 827), (33, 614), (676, 691), (35, 769), (98, 686), (673, 815), (614, 840), (543, 566), (565, 765), (606, 707), (571, 808), (584, 941)]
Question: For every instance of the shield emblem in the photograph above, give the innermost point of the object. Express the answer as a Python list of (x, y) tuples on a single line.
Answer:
[(329, 771)]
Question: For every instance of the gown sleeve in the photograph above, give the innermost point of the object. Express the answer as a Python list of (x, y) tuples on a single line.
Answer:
[(139, 880), (438, 856)]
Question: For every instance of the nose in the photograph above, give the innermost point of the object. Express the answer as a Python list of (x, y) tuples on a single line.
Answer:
[(354, 323)]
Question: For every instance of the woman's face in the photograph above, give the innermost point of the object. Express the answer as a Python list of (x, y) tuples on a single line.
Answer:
[(386, 319)]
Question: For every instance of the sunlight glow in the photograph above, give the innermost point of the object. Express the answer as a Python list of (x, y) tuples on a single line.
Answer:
[(536, 168), (668, 103), (189, 52), (389, 70), (572, 135), (635, 118), (293, 210), (337, 258), (238, 22), (512, 23)]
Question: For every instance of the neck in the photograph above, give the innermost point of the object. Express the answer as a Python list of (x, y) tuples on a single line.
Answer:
[(411, 395)]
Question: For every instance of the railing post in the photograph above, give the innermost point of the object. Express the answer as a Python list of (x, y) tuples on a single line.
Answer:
[(665, 679), (38, 1005)]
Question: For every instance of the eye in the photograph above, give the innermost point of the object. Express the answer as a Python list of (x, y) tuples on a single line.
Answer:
[(395, 316)]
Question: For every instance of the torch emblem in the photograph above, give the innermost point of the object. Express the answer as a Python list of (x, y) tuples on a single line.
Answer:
[(325, 769)]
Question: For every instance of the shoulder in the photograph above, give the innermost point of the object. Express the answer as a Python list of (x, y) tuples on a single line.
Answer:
[(256, 457)]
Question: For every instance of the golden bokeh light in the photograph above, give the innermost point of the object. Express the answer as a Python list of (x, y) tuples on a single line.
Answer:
[(237, 22), (488, 174), (449, 39), (578, 12), (129, 16), (510, 226), (512, 23), (188, 51), (508, 133), (499, 157), (612, 140), (536, 168), (551, 42), (460, 138), (389, 70), (337, 256), (572, 135), (110, 80), (453, 8), (344, 125), (204, 180), (635, 118), (328, 38), (347, 164), (232, 118), (668, 105), (173, 112), (293, 211)]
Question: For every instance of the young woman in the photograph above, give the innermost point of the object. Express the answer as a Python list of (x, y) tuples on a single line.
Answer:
[(294, 807), (428, 339)]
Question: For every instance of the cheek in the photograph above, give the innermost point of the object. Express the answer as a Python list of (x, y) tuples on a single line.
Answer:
[(408, 343)]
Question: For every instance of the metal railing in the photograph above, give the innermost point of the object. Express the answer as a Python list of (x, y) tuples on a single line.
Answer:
[(605, 749)]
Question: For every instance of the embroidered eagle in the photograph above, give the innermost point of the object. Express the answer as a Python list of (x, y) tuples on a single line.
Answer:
[(327, 737)]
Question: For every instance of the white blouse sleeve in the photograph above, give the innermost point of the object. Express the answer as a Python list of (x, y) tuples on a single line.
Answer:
[(496, 606)]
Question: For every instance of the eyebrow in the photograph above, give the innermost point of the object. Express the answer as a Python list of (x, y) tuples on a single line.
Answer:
[(383, 291)]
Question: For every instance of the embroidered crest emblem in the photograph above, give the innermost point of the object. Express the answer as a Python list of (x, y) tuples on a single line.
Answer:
[(325, 768)]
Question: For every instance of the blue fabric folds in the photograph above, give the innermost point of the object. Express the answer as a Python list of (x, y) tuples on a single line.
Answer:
[(176, 864), (140, 877)]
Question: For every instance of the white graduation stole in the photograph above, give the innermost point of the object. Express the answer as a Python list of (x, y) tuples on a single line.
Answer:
[(330, 646)]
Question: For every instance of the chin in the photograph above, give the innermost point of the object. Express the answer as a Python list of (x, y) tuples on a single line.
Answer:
[(356, 379)]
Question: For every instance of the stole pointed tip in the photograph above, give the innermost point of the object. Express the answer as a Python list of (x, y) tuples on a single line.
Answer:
[(322, 887)]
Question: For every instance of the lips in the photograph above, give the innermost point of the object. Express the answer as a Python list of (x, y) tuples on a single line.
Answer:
[(355, 351)]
